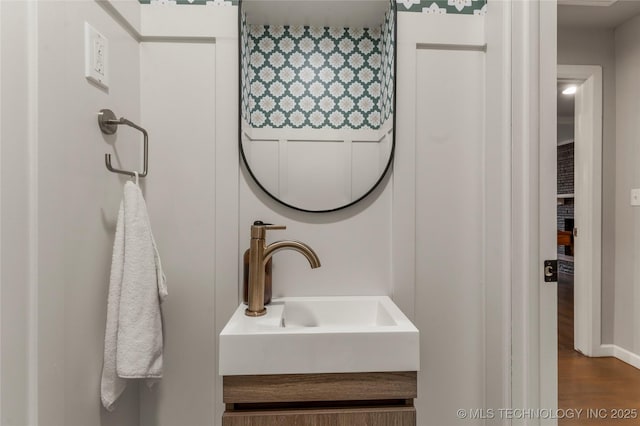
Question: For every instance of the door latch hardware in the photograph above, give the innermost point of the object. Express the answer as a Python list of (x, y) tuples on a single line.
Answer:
[(550, 271)]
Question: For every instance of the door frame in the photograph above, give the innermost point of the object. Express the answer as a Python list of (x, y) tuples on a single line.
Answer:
[(533, 217), (588, 219)]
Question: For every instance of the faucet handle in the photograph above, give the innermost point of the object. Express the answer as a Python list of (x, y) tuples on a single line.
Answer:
[(274, 227), (268, 225), (259, 228)]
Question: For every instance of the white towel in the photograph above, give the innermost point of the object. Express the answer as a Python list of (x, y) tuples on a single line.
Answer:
[(133, 339)]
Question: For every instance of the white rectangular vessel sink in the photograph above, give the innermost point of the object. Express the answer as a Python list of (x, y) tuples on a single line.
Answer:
[(303, 335)]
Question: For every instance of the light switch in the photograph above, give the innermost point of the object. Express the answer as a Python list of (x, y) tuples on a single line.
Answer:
[(635, 197), (96, 49)]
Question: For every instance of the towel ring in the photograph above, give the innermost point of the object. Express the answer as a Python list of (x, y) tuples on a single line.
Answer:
[(108, 124)]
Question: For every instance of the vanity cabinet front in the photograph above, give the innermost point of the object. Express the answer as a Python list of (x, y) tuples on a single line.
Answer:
[(390, 416), (340, 399)]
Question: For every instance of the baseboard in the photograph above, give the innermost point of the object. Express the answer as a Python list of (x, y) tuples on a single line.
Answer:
[(620, 353), (627, 356)]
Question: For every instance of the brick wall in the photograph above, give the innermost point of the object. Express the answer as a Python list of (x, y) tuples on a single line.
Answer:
[(565, 186), (565, 169)]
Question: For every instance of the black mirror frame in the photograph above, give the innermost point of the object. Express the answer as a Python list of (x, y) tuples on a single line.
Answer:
[(393, 142)]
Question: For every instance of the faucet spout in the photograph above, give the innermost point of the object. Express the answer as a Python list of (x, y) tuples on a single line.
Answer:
[(259, 255), (298, 246)]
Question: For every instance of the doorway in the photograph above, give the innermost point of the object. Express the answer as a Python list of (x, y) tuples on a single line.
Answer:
[(566, 213), (614, 44), (591, 372), (579, 199)]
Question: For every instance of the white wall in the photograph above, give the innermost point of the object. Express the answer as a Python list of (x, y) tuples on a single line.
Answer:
[(178, 108), (449, 234), (14, 225), (355, 245), (189, 104), (77, 204), (596, 47), (201, 204), (627, 231)]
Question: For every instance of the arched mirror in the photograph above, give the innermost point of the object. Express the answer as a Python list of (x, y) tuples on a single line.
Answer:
[(317, 98)]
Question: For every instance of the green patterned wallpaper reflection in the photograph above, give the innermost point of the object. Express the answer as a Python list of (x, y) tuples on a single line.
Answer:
[(314, 77), (317, 77), (387, 55)]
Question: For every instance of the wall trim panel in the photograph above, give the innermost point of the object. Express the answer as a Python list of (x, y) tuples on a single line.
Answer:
[(227, 203), (125, 14), (192, 25), (33, 213), (457, 36), (189, 22)]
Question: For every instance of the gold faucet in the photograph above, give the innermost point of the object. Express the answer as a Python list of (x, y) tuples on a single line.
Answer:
[(259, 255)]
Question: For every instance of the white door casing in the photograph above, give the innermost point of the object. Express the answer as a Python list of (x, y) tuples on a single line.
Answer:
[(534, 302), (588, 206)]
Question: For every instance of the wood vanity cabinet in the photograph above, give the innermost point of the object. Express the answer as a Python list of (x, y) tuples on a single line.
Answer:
[(340, 399)]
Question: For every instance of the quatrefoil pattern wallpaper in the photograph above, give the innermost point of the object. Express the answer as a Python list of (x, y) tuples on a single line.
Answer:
[(387, 56), (314, 77), (244, 69), (317, 77), (436, 7), (443, 7)]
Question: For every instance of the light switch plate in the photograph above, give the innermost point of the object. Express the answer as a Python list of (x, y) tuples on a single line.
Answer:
[(96, 56), (635, 197)]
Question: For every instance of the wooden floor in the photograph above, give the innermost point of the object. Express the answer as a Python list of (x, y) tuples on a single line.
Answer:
[(606, 384)]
